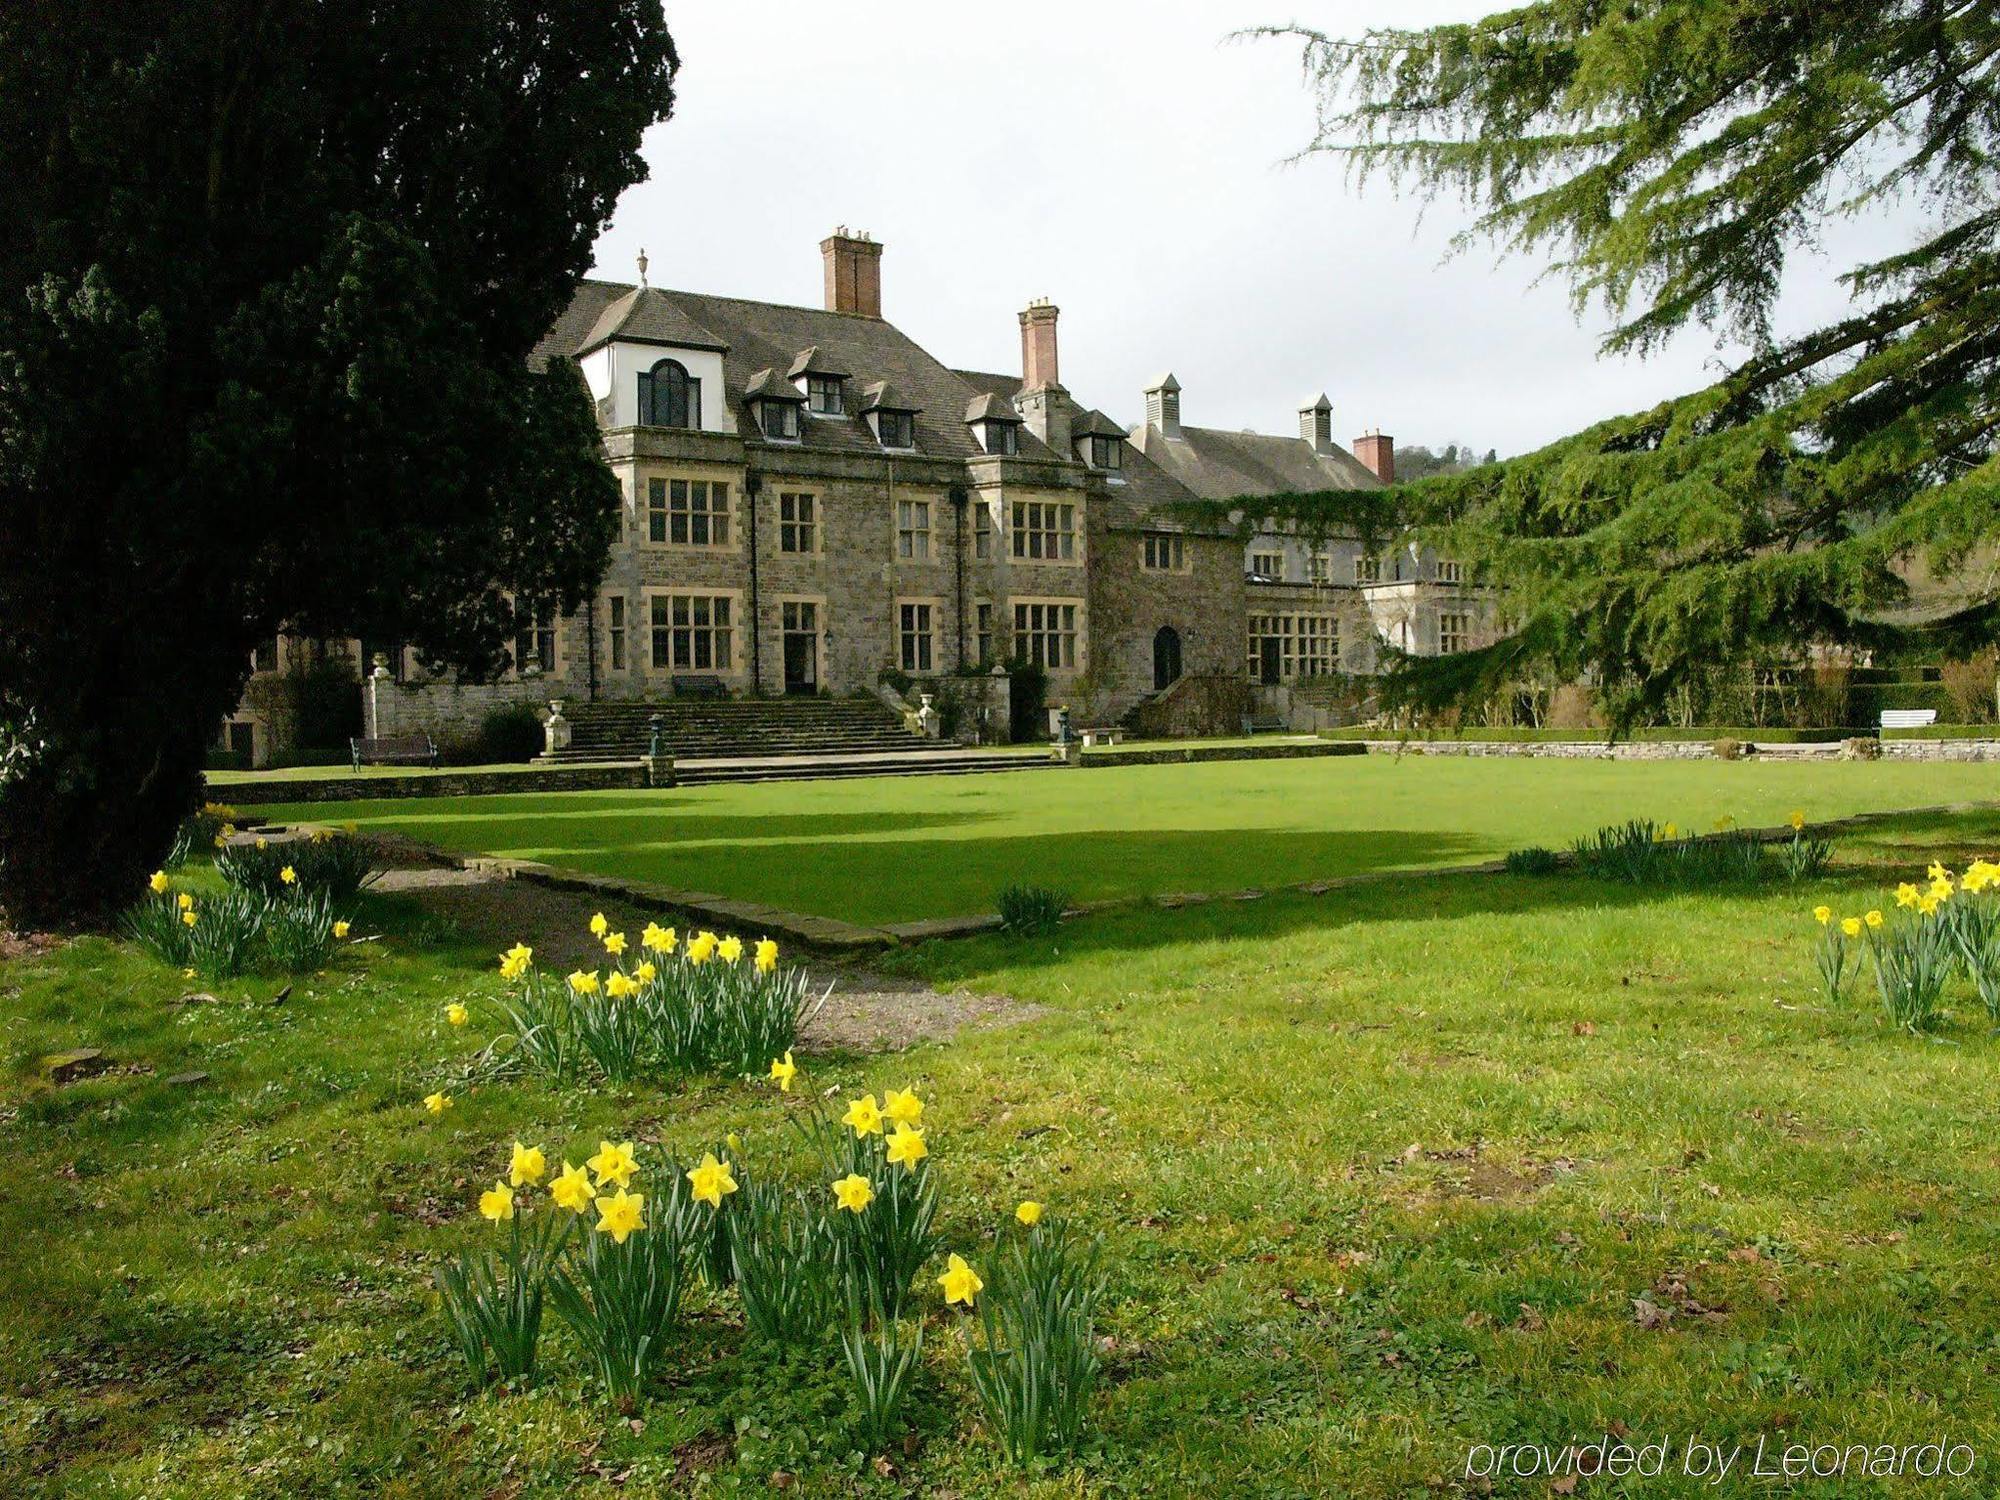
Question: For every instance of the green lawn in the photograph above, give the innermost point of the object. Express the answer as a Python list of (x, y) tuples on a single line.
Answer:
[(1382, 1174), (885, 850)]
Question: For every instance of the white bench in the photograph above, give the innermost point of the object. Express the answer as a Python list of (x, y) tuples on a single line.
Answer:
[(1108, 736), (1908, 718)]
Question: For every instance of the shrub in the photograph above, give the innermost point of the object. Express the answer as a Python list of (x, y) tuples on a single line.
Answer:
[(200, 832), (325, 862), (1027, 910), (1533, 861), (1038, 1367), (1729, 749), (510, 734), (221, 935)]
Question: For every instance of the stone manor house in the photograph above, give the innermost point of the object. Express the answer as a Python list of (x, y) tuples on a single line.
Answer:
[(815, 505)]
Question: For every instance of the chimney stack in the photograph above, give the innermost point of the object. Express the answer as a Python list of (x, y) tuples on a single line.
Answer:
[(1377, 452), (853, 264), (1163, 406), (1038, 345), (1316, 424)]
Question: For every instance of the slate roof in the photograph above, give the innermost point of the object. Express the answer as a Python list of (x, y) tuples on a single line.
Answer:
[(645, 315), (1219, 465), (755, 336), (987, 407)]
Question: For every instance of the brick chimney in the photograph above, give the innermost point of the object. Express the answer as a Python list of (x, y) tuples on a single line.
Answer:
[(1043, 403), (853, 264), (1377, 452), (1038, 345), (1163, 406), (1316, 424)]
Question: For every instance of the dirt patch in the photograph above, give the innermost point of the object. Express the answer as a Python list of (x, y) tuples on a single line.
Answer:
[(866, 1012), (26, 944)]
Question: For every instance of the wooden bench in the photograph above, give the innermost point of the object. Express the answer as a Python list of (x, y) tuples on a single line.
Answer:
[(700, 687), (1111, 734), (1908, 718), (1267, 724), (396, 750)]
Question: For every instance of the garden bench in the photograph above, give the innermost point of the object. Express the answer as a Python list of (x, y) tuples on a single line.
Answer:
[(394, 750), (1110, 735), (1908, 718), (1265, 724), (700, 687)]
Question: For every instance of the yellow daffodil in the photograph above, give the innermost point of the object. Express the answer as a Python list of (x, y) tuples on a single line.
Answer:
[(262, 842), (159, 882), (1906, 894), (783, 1071), (571, 1189), (1929, 902), (1978, 876), (767, 955), (437, 1104), (614, 1163), (864, 1116), (222, 839), (456, 1013), (1873, 919), (1670, 830), (646, 973), (1822, 915), (710, 1180), (185, 901), (188, 917), (599, 925), (187, 973), (229, 830), (619, 985), (497, 1202), (906, 1147), (1941, 889), (342, 928), (614, 943), (1724, 823), (1850, 926), (620, 1214), (701, 947), (730, 949), (1937, 871), (289, 875), (657, 939), (960, 1282), (1797, 819), (854, 1192), (903, 1106), (1028, 1212), (584, 982), (516, 961), (734, 1142), (528, 1166)]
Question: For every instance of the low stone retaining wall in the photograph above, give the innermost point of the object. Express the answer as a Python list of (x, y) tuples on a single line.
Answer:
[(1892, 749), (432, 784), (1166, 757)]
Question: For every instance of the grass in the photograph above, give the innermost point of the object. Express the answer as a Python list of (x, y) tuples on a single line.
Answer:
[(890, 849), (1383, 1174)]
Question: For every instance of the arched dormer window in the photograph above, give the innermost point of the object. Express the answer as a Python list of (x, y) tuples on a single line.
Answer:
[(669, 396)]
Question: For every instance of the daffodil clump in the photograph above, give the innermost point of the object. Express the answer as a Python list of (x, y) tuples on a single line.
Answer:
[(1645, 853), (661, 1006), (1944, 926), (221, 934), (320, 863), (201, 832)]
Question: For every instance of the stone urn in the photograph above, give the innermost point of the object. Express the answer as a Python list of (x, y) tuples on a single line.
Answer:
[(555, 729)]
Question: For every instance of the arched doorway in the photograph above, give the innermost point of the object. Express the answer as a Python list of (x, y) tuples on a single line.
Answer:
[(1166, 657)]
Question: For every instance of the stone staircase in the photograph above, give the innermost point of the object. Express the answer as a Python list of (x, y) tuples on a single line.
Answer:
[(772, 739), (736, 728)]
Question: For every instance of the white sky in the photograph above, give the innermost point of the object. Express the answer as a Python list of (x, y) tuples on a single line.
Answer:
[(1126, 159)]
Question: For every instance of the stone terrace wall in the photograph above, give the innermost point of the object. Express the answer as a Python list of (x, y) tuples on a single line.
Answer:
[(431, 784)]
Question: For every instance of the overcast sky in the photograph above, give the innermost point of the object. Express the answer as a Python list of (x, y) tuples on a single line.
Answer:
[(1126, 159)]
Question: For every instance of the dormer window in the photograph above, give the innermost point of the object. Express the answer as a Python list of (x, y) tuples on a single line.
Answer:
[(669, 396), (781, 421), (823, 394), (995, 424), (893, 422), (774, 404), (1001, 438), (1107, 452)]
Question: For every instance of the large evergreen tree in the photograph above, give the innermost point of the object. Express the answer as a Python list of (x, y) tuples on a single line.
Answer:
[(269, 277), (1670, 156)]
